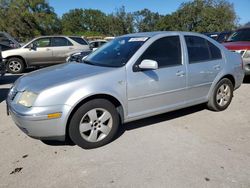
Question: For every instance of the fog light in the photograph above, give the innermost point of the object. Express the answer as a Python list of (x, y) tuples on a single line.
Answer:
[(54, 115)]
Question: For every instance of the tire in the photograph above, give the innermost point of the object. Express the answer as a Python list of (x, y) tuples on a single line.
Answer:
[(94, 124), (15, 66), (222, 95)]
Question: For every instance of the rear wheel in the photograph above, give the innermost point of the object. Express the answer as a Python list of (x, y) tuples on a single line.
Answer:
[(94, 124), (222, 95), (15, 65)]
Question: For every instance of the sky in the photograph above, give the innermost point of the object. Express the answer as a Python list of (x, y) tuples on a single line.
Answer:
[(160, 6)]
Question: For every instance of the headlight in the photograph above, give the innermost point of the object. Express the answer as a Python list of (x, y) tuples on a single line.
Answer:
[(247, 54), (68, 58), (27, 98)]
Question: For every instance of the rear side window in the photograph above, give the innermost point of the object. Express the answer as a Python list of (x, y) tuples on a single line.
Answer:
[(200, 49), (79, 40), (61, 41), (166, 51)]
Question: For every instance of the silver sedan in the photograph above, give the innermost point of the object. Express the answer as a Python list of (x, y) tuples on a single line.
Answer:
[(130, 78)]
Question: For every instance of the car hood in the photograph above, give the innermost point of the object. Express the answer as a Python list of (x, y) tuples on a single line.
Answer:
[(57, 75), (7, 53), (237, 45)]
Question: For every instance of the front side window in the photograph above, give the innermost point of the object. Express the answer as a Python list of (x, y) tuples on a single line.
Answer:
[(200, 50), (165, 51), (60, 41), (42, 42), (116, 53)]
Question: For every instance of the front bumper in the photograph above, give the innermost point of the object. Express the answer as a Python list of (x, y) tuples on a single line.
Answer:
[(35, 123)]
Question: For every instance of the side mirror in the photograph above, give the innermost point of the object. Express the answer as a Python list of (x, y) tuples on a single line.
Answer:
[(148, 64), (33, 46)]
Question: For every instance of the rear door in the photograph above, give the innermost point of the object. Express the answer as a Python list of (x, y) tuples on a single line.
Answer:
[(61, 48), (205, 62)]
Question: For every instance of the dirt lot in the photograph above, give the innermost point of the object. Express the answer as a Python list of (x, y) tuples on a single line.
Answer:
[(193, 147)]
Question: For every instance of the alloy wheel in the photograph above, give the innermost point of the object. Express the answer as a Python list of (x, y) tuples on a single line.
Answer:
[(223, 95), (95, 125), (15, 66)]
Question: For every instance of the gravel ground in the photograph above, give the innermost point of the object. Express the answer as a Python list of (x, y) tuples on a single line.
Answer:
[(193, 147)]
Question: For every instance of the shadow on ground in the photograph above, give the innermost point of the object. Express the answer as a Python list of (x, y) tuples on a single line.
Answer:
[(246, 80), (142, 123), (9, 78), (3, 94)]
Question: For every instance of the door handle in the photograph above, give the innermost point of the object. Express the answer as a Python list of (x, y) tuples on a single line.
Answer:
[(180, 73), (71, 48), (48, 49), (217, 67)]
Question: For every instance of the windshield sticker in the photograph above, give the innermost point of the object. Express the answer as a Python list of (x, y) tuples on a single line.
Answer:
[(138, 39)]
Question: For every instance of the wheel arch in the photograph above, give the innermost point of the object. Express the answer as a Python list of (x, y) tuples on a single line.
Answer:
[(230, 77), (108, 97), (18, 56)]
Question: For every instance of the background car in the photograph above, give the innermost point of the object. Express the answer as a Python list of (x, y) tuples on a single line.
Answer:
[(213, 35), (223, 36), (130, 78), (7, 41), (4, 47), (96, 44), (2, 66), (78, 57), (43, 51), (239, 42)]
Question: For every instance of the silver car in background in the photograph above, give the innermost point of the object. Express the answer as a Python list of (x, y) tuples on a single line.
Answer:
[(130, 78), (43, 51)]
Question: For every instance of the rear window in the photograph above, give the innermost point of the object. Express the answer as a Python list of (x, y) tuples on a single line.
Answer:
[(60, 41), (79, 40), (200, 49)]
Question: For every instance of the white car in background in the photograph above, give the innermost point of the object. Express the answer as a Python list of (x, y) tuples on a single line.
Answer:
[(43, 51), (96, 44)]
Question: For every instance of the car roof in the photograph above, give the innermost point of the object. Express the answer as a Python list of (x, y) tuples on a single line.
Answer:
[(153, 34), (50, 36)]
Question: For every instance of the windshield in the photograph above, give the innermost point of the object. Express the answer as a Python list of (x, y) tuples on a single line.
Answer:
[(116, 53), (240, 35)]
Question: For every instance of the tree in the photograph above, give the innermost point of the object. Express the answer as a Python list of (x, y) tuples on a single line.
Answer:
[(72, 22), (85, 21), (120, 22), (146, 21), (28, 18), (205, 16)]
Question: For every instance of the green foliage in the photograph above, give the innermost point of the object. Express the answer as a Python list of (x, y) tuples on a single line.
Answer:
[(30, 18), (146, 21), (205, 16)]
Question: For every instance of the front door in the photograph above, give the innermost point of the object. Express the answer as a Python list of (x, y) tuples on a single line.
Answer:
[(155, 91), (41, 53)]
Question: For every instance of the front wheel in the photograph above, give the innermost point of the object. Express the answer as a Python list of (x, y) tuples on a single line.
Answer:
[(221, 96), (94, 124), (15, 66)]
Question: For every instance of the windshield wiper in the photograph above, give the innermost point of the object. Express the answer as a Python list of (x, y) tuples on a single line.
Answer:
[(88, 62)]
